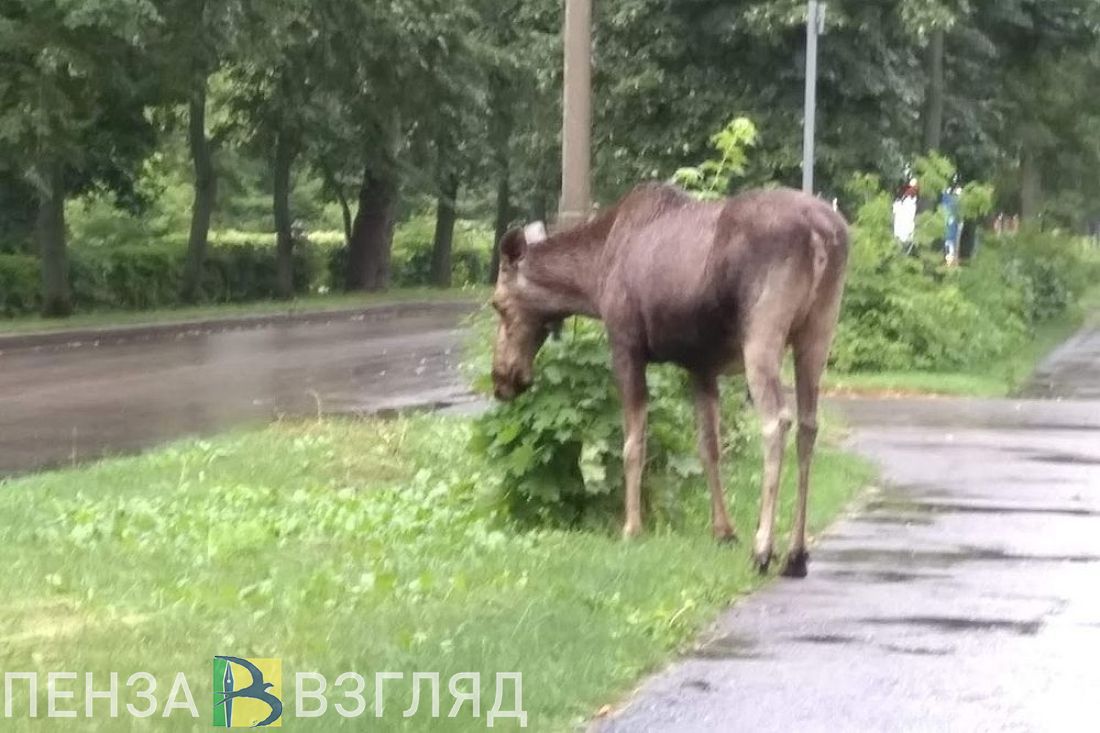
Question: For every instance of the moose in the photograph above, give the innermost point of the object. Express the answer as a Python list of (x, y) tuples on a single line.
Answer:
[(712, 286)]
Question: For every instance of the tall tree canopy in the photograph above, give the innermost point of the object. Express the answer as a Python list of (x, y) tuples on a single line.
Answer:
[(389, 109)]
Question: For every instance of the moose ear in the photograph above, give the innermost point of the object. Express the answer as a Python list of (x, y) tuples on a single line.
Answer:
[(535, 232), (513, 245)]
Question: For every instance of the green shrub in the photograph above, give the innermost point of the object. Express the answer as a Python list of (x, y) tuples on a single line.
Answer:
[(20, 288), (904, 313), (558, 447), (134, 277)]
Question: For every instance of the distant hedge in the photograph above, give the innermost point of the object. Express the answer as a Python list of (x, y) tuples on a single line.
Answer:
[(240, 266), (135, 277)]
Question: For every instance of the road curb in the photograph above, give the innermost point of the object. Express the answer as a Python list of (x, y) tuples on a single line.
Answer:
[(147, 331)]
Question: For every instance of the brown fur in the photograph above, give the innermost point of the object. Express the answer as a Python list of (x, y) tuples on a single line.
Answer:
[(711, 286)]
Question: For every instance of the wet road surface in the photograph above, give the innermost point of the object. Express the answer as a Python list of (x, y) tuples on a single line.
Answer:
[(62, 404), (963, 595)]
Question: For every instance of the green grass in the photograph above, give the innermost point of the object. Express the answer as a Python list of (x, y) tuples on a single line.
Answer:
[(997, 379), (312, 303), (335, 547)]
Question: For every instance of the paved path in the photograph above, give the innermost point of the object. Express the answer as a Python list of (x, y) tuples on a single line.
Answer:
[(964, 596), (60, 404)]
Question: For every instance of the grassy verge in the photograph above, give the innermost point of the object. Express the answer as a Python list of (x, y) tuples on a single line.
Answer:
[(313, 303), (331, 546), (996, 379)]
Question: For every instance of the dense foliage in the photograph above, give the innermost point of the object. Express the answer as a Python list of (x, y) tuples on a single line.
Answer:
[(201, 115), (558, 447), (906, 312)]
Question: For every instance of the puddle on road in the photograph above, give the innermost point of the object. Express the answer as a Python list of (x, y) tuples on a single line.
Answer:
[(944, 558), (902, 519), (956, 624), (697, 684), (884, 576), (1067, 459), (921, 651), (947, 507), (839, 639), (727, 647), (844, 640)]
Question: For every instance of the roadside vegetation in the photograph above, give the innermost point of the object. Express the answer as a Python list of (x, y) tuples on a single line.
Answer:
[(360, 545), (911, 323)]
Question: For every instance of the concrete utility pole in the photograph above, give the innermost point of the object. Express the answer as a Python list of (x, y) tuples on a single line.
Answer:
[(576, 133), (815, 25)]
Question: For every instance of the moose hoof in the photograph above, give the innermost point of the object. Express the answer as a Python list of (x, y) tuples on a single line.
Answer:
[(795, 567), (631, 532), (726, 536), (763, 561)]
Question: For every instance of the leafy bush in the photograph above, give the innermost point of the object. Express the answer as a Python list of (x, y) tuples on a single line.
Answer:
[(558, 447), (903, 313), (19, 284), (151, 275), (711, 179)]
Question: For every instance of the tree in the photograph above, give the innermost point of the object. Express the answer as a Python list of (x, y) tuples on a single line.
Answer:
[(523, 87), (273, 68), (72, 95), (669, 74), (387, 67), (1044, 56), (195, 40)]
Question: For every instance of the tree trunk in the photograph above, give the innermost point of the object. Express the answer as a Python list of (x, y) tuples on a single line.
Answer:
[(442, 244), (345, 214), (284, 239), (1031, 186), (206, 188), (503, 219), (50, 235), (935, 92), (333, 184), (372, 234)]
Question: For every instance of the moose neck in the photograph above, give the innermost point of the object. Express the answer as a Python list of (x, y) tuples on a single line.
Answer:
[(565, 268)]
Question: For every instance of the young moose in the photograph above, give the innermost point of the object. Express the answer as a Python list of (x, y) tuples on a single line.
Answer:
[(712, 286)]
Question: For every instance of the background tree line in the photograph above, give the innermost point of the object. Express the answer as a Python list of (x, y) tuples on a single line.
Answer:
[(175, 118)]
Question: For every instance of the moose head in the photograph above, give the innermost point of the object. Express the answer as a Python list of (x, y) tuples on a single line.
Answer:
[(526, 317)]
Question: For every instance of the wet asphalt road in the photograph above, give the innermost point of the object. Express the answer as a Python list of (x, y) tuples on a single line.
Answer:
[(964, 595), (63, 404)]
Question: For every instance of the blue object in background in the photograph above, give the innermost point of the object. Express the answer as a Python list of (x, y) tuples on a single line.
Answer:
[(950, 203)]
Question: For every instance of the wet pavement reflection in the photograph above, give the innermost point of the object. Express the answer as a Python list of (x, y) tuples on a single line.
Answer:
[(65, 404)]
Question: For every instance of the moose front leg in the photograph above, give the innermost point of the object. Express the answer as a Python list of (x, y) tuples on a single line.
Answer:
[(630, 375), (706, 412)]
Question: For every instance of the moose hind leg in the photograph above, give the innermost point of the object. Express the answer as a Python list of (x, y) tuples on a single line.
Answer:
[(762, 371), (809, 362), (706, 411)]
